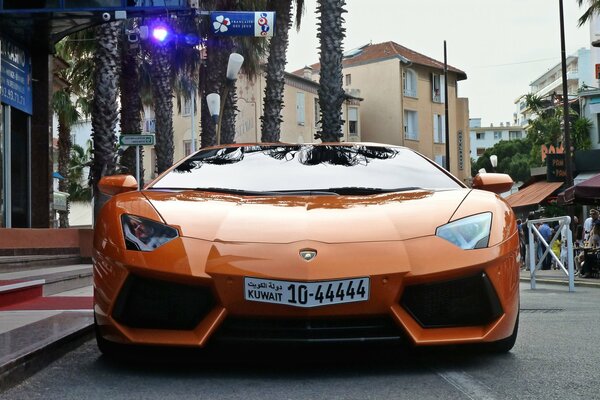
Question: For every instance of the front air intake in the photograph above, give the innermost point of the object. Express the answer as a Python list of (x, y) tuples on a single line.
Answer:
[(157, 304), (468, 301)]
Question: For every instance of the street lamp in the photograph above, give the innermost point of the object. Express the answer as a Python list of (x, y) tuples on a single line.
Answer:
[(233, 68), (214, 100), (494, 161)]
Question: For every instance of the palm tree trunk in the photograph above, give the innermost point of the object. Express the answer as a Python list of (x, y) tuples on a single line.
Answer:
[(64, 151), (131, 103), (162, 92), (104, 108), (275, 71), (331, 34)]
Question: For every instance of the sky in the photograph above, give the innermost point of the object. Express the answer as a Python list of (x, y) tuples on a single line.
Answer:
[(502, 45)]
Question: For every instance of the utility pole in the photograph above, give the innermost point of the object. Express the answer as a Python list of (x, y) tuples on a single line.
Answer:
[(567, 137), (446, 109)]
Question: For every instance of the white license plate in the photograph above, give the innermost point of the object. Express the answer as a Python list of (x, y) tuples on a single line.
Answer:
[(306, 294)]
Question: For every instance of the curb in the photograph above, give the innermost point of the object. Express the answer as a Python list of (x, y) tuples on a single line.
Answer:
[(563, 282), (25, 365)]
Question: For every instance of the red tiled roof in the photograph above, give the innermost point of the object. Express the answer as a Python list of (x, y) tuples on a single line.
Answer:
[(382, 51)]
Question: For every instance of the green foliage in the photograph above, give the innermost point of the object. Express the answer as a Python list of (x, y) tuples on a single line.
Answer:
[(77, 182), (513, 159), (580, 134)]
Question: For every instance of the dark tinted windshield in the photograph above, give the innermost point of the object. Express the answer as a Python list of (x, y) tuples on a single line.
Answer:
[(276, 168)]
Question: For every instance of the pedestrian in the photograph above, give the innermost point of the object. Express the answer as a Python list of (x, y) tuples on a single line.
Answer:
[(587, 225), (546, 233)]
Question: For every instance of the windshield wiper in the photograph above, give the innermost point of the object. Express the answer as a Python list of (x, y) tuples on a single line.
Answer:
[(359, 190)]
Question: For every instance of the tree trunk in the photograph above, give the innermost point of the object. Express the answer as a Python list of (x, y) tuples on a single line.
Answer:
[(331, 33), (275, 70), (104, 108), (162, 93), (64, 150), (131, 104)]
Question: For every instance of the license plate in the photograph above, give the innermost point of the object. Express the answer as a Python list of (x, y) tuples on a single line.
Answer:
[(306, 294)]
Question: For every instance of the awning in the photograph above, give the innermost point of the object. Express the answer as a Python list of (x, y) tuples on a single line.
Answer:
[(586, 192), (532, 194)]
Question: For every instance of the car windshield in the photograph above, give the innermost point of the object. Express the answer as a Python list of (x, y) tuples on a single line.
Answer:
[(337, 169)]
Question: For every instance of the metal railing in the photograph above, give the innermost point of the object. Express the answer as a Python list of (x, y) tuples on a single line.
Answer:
[(533, 267)]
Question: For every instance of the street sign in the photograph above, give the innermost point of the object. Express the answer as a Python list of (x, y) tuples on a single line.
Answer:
[(136, 140), (243, 23)]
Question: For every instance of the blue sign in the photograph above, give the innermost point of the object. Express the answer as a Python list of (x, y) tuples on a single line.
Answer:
[(15, 76), (243, 23)]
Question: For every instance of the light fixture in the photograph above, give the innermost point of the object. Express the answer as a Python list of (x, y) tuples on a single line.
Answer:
[(234, 65), (494, 160), (214, 101)]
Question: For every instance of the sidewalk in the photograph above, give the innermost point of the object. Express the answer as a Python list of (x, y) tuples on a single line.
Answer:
[(35, 332), (40, 319)]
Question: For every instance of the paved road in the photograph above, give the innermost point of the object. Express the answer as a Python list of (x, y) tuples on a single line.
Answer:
[(557, 356)]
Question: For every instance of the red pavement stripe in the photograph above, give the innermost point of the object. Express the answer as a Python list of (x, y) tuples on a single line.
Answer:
[(53, 303)]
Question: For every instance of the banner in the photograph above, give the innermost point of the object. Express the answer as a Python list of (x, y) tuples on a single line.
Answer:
[(243, 23)]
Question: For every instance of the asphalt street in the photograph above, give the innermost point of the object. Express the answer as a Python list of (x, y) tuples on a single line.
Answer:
[(556, 357)]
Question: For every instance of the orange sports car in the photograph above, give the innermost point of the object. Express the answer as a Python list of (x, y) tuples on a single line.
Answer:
[(306, 243)]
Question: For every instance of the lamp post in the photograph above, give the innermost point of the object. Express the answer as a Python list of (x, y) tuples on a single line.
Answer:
[(494, 162), (233, 68)]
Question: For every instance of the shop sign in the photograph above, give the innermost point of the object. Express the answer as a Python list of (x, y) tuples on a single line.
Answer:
[(15, 76), (556, 170)]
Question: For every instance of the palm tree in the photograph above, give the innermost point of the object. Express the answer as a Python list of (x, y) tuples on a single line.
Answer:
[(275, 68), (66, 103), (331, 34), (104, 108), (78, 162), (130, 99), (593, 9)]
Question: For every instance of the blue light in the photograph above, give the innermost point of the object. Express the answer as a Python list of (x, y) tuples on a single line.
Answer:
[(160, 33)]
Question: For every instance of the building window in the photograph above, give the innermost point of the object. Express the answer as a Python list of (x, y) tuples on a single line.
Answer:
[(187, 147), (150, 125), (480, 135), (348, 79), (409, 82), (352, 121), (497, 135), (438, 88), (411, 127), (440, 160), (439, 128), (480, 151), (300, 108), (513, 135), (187, 107)]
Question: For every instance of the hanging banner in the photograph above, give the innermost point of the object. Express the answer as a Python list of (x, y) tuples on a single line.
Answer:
[(15, 76), (243, 23)]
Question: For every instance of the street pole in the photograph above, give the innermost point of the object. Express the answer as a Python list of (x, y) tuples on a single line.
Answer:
[(567, 137), (193, 119), (446, 109)]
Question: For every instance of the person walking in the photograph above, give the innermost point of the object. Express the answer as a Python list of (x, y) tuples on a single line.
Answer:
[(546, 233), (588, 224)]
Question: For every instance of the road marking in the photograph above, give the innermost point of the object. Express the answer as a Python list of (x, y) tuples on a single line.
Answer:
[(469, 386)]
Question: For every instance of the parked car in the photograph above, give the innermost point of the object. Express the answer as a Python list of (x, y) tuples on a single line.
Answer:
[(306, 243)]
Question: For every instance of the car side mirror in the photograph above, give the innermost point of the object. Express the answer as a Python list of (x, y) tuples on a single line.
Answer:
[(492, 182), (115, 184)]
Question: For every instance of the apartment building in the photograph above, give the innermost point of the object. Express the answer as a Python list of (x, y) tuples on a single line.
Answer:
[(484, 137), (403, 95)]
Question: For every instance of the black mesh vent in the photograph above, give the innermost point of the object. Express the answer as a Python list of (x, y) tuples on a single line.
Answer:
[(461, 302), (155, 304), (308, 330)]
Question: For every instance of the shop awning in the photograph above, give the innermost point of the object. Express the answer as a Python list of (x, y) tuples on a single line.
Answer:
[(533, 194), (584, 192)]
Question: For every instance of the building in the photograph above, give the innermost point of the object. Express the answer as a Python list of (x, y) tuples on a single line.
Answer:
[(549, 84), (484, 137), (403, 104)]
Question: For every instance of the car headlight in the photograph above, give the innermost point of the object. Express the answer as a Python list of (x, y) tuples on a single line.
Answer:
[(145, 235), (468, 233)]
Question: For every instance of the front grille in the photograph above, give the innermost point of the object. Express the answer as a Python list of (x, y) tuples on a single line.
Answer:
[(156, 304), (308, 330), (468, 301)]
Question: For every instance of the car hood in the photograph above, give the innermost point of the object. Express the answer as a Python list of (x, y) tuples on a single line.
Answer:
[(287, 219)]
